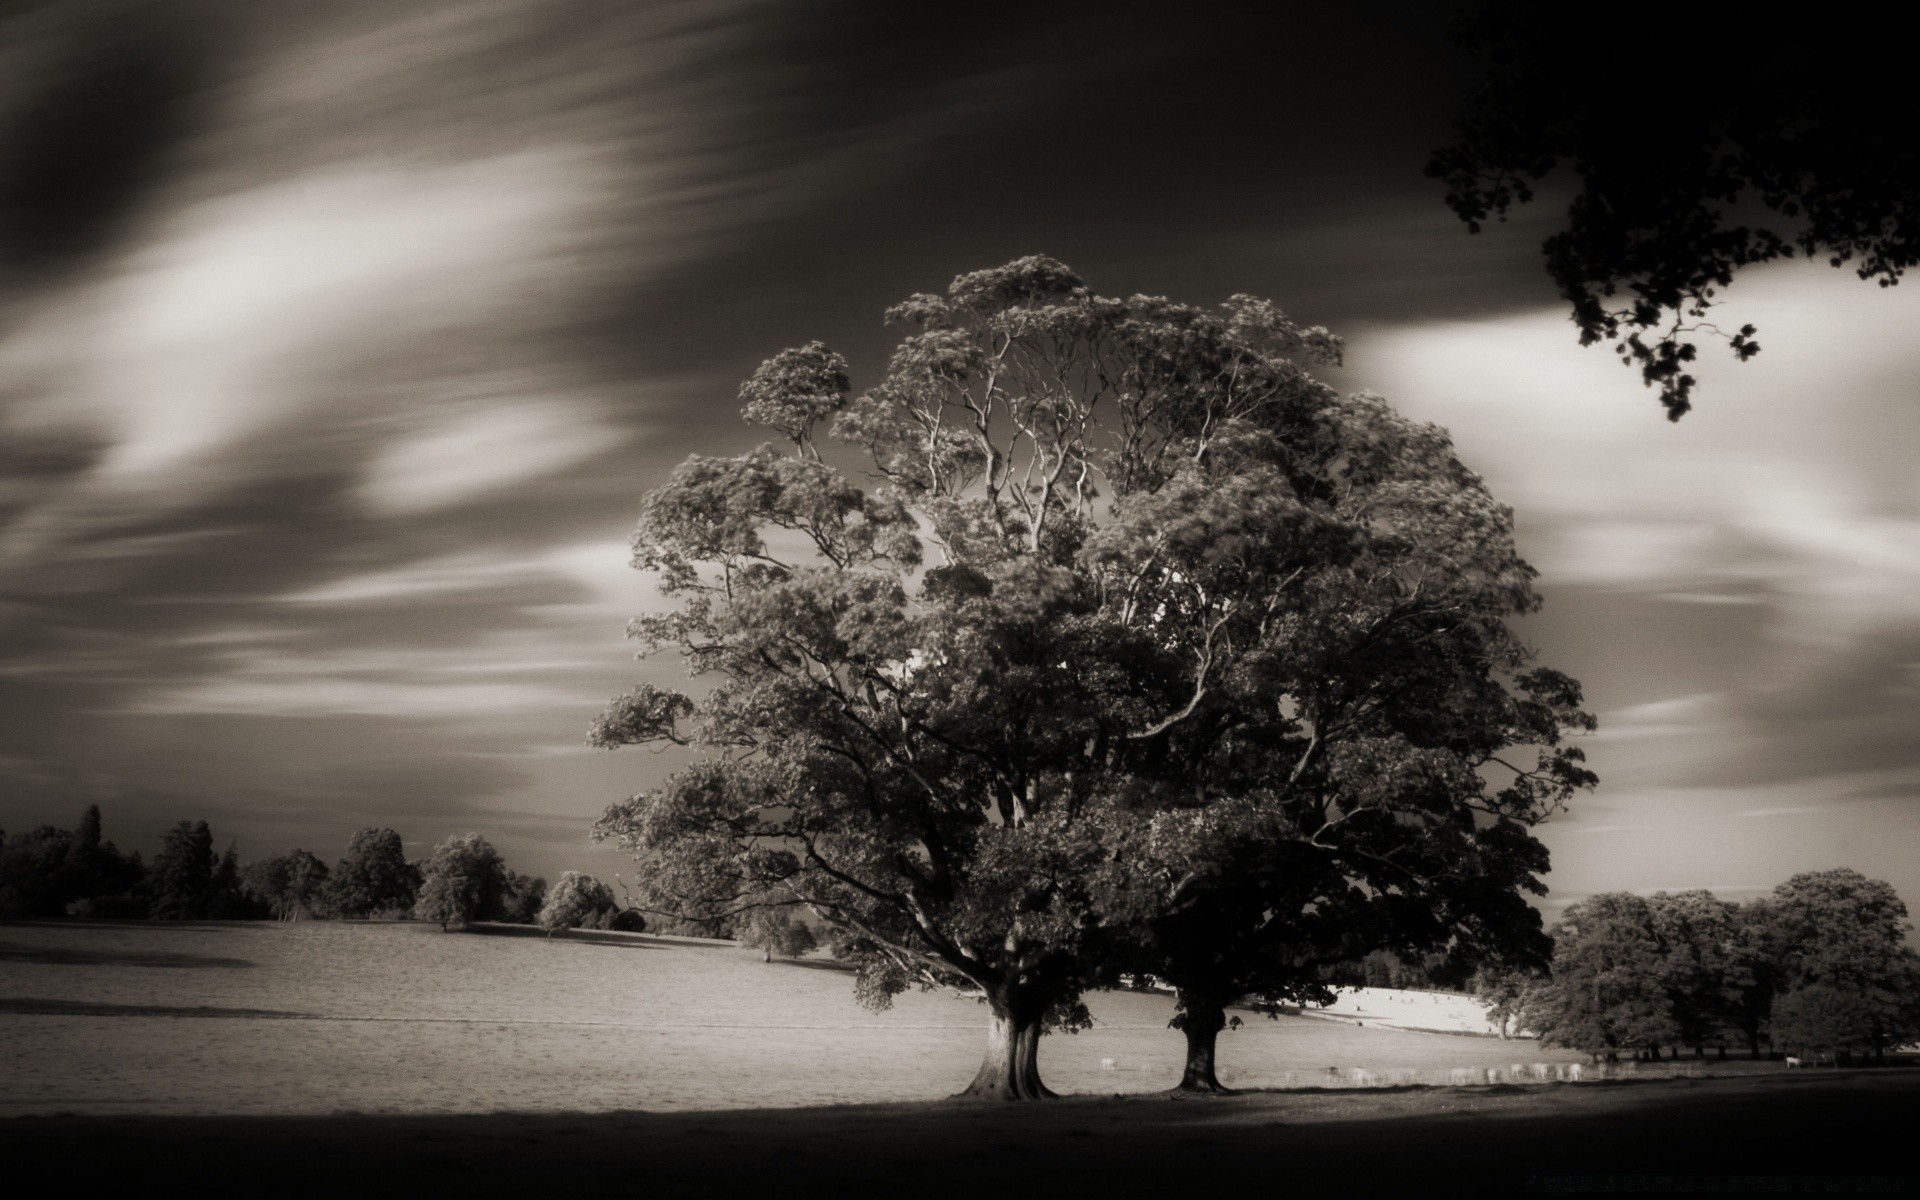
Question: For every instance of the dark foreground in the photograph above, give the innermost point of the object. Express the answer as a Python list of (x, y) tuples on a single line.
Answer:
[(1833, 1132)]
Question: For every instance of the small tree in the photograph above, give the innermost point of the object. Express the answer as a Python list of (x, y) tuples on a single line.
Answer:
[(775, 928), (577, 899), (374, 876), (461, 882), (1509, 994)]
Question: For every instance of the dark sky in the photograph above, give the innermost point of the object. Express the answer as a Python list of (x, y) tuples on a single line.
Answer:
[(338, 342)]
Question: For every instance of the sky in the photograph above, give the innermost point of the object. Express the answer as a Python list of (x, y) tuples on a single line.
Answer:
[(339, 342)]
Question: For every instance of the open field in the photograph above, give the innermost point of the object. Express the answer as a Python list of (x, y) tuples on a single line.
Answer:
[(327, 1058), (318, 1017)]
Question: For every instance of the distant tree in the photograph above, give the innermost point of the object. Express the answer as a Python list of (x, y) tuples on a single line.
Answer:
[(1509, 994), (462, 881), (774, 927), (1841, 931), (181, 881), (1608, 992), (32, 865), (1757, 971), (290, 885), (1706, 971), (374, 877), (522, 898), (46, 872), (1768, 143), (577, 899), (226, 898), (1823, 1019)]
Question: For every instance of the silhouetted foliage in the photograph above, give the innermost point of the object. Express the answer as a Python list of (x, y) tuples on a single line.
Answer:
[(183, 882), (1767, 142), (50, 872)]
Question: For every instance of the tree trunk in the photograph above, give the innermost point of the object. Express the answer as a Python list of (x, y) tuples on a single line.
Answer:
[(1202, 1022), (1011, 1068)]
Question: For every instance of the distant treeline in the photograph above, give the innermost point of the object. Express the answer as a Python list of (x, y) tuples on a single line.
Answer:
[(53, 872), (1820, 967)]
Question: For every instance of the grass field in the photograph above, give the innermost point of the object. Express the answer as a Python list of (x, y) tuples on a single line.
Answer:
[(333, 1059), (320, 1017)]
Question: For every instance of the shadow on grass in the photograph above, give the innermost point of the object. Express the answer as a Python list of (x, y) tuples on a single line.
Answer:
[(93, 924), (67, 956), (814, 964), (1832, 1135), (87, 1008)]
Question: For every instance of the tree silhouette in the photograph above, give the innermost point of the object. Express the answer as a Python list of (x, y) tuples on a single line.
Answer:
[(1703, 145)]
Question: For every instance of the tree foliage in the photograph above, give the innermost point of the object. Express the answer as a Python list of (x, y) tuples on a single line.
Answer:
[(522, 897), (188, 881), (1704, 967), (463, 880), (1608, 993), (374, 876), (291, 885), (772, 926), (1202, 644), (1848, 979), (48, 872), (1821, 964), (577, 899), (1767, 144)]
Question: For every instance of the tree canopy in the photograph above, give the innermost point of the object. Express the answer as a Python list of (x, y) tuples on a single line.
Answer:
[(1608, 992), (1820, 964), (290, 885), (577, 899), (1196, 630), (374, 876), (463, 880), (1766, 144)]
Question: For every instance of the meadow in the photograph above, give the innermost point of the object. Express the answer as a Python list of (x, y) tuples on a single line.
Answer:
[(259, 1018)]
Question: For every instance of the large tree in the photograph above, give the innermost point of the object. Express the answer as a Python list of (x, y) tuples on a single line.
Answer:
[(1164, 555), (1366, 743), (1708, 143)]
